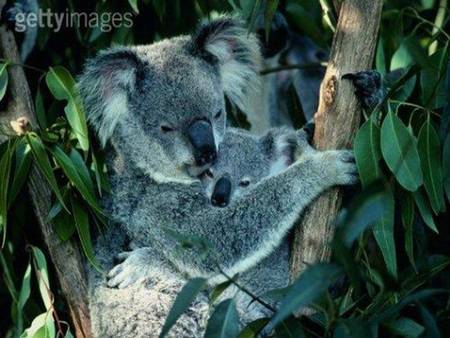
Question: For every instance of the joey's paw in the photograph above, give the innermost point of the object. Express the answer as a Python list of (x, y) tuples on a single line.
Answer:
[(132, 269), (368, 87), (342, 169)]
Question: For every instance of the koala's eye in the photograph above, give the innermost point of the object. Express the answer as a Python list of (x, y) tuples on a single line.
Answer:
[(166, 129), (218, 114), (244, 183)]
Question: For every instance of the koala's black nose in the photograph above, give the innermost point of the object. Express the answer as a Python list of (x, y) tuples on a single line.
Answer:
[(200, 134), (221, 193)]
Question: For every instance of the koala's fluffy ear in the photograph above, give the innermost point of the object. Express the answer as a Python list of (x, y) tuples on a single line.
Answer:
[(104, 87), (226, 41)]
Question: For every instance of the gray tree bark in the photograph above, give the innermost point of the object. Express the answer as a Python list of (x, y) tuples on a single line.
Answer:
[(337, 120)]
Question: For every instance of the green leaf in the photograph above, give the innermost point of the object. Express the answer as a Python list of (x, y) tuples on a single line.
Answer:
[(399, 150), (43, 326), (352, 328), (430, 158), (82, 170), (24, 295), (218, 290), (21, 169), (40, 266), (432, 328), (63, 87), (290, 328), (64, 225), (269, 12), (252, 329), (407, 215), (224, 321), (424, 210), (183, 301), (405, 327), (408, 53), (40, 109), (393, 310), (80, 181), (5, 171), (383, 232), (3, 79), (446, 166), (311, 284), (134, 6), (432, 81), (82, 224), (367, 153), (380, 57), (41, 159)]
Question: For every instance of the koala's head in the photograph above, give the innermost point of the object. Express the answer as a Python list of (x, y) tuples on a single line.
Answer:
[(244, 160), (162, 106)]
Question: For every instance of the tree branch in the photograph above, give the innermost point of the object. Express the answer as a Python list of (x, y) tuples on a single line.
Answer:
[(66, 257), (337, 120)]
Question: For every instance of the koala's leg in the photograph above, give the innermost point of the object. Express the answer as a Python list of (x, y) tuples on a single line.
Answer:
[(139, 310), (368, 87)]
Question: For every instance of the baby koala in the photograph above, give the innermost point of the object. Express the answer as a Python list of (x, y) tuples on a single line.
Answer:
[(244, 159)]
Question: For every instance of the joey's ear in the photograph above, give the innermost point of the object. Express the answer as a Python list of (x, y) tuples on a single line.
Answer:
[(104, 86), (226, 41)]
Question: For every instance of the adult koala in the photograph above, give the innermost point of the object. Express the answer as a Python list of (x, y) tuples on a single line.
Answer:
[(160, 109)]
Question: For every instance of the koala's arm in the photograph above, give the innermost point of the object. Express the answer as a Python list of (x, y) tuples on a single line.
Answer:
[(250, 227)]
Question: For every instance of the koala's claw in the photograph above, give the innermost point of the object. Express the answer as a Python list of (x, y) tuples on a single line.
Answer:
[(346, 172), (130, 271), (368, 87)]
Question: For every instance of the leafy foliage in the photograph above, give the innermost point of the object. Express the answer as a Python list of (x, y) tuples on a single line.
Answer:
[(398, 287)]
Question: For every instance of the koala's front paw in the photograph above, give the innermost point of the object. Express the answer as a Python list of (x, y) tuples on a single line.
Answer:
[(341, 168), (134, 268), (369, 87)]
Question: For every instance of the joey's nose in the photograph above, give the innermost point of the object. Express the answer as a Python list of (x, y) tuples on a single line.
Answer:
[(200, 134), (221, 193)]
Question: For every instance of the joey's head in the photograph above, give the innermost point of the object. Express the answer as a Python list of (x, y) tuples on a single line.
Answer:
[(244, 160), (162, 106)]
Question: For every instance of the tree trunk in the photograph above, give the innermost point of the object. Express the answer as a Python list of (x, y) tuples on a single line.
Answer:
[(337, 120), (66, 257)]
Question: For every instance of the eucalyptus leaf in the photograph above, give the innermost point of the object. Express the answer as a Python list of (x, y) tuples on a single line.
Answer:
[(81, 218), (63, 87), (311, 284), (3, 79), (77, 177), (21, 169), (253, 328), (43, 163), (366, 147), (24, 295), (407, 216), (429, 148), (383, 232), (224, 321), (40, 264), (399, 150), (425, 210), (182, 303), (446, 166)]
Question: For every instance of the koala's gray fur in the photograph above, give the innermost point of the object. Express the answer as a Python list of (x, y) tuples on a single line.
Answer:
[(129, 93)]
